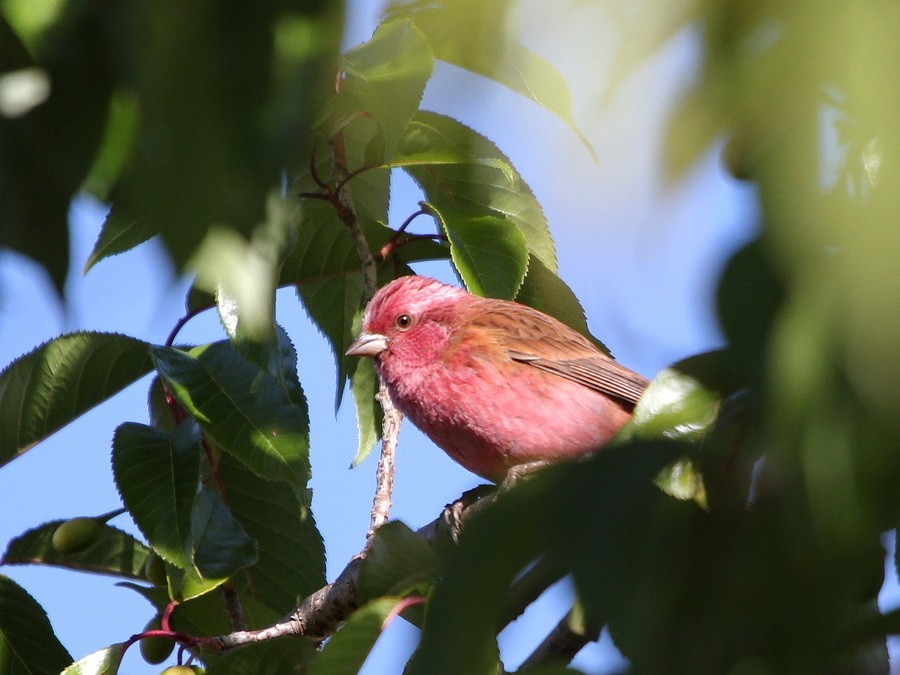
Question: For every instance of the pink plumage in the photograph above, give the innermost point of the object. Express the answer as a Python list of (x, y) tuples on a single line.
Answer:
[(493, 383)]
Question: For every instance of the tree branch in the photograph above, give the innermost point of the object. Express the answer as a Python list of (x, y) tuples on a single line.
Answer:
[(320, 614)]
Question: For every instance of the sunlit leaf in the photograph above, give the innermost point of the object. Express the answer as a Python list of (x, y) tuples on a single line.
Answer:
[(248, 412), (104, 661), (46, 389), (112, 552), (487, 186), (489, 253)]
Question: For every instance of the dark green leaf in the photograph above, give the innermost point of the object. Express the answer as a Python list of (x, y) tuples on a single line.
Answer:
[(27, 641), (563, 510), (281, 657), (46, 389), (397, 560), (248, 412), (348, 649), (112, 552), (291, 562), (221, 546), (48, 149), (157, 474), (217, 133)]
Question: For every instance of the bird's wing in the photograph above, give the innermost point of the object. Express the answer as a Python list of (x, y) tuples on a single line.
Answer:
[(596, 372)]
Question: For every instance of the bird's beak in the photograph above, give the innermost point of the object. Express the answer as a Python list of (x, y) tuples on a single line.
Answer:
[(367, 344)]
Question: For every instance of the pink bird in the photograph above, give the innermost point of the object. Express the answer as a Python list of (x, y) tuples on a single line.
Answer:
[(494, 383)]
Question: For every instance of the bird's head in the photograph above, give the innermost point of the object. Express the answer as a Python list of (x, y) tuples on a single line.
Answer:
[(410, 320)]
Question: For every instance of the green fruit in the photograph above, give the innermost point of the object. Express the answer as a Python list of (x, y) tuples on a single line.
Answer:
[(75, 535), (180, 670), (155, 570), (155, 650)]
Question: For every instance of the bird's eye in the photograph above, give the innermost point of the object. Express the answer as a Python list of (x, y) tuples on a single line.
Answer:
[(403, 321)]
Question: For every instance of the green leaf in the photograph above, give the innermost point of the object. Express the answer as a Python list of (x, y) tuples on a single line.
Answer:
[(46, 389), (279, 656), (675, 406), (221, 546), (291, 562), (112, 552), (119, 233), (486, 186), (27, 641), (398, 559), (489, 254), (248, 412), (363, 387), (545, 291), (157, 474), (473, 36), (216, 134), (104, 661), (348, 649), (48, 149), (383, 78)]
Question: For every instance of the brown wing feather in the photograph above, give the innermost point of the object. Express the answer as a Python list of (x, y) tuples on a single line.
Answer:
[(598, 373), (531, 337)]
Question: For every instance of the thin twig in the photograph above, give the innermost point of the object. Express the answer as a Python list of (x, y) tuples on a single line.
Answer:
[(384, 475)]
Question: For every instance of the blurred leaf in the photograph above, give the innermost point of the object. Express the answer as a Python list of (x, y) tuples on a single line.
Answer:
[(472, 190), (217, 133), (157, 474), (104, 661), (49, 387), (474, 36), (545, 291), (112, 552), (383, 78), (221, 547), (48, 146), (566, 509), (115, 148), (674, 406), (488, 252), (291, 554), (398, 559), (27, 641), (248, 412), (348, 649), (244, 274)]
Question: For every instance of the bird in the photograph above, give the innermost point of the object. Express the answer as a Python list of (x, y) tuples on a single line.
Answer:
[(494, 383)]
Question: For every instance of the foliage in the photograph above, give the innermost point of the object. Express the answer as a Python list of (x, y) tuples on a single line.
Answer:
[(733, 527)]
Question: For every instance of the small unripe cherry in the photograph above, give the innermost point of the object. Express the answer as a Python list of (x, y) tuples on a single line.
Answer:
[(181, 670), (75, 535), (155, 650)]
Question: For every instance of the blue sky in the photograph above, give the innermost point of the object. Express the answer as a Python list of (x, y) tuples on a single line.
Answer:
[(641, 252)]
